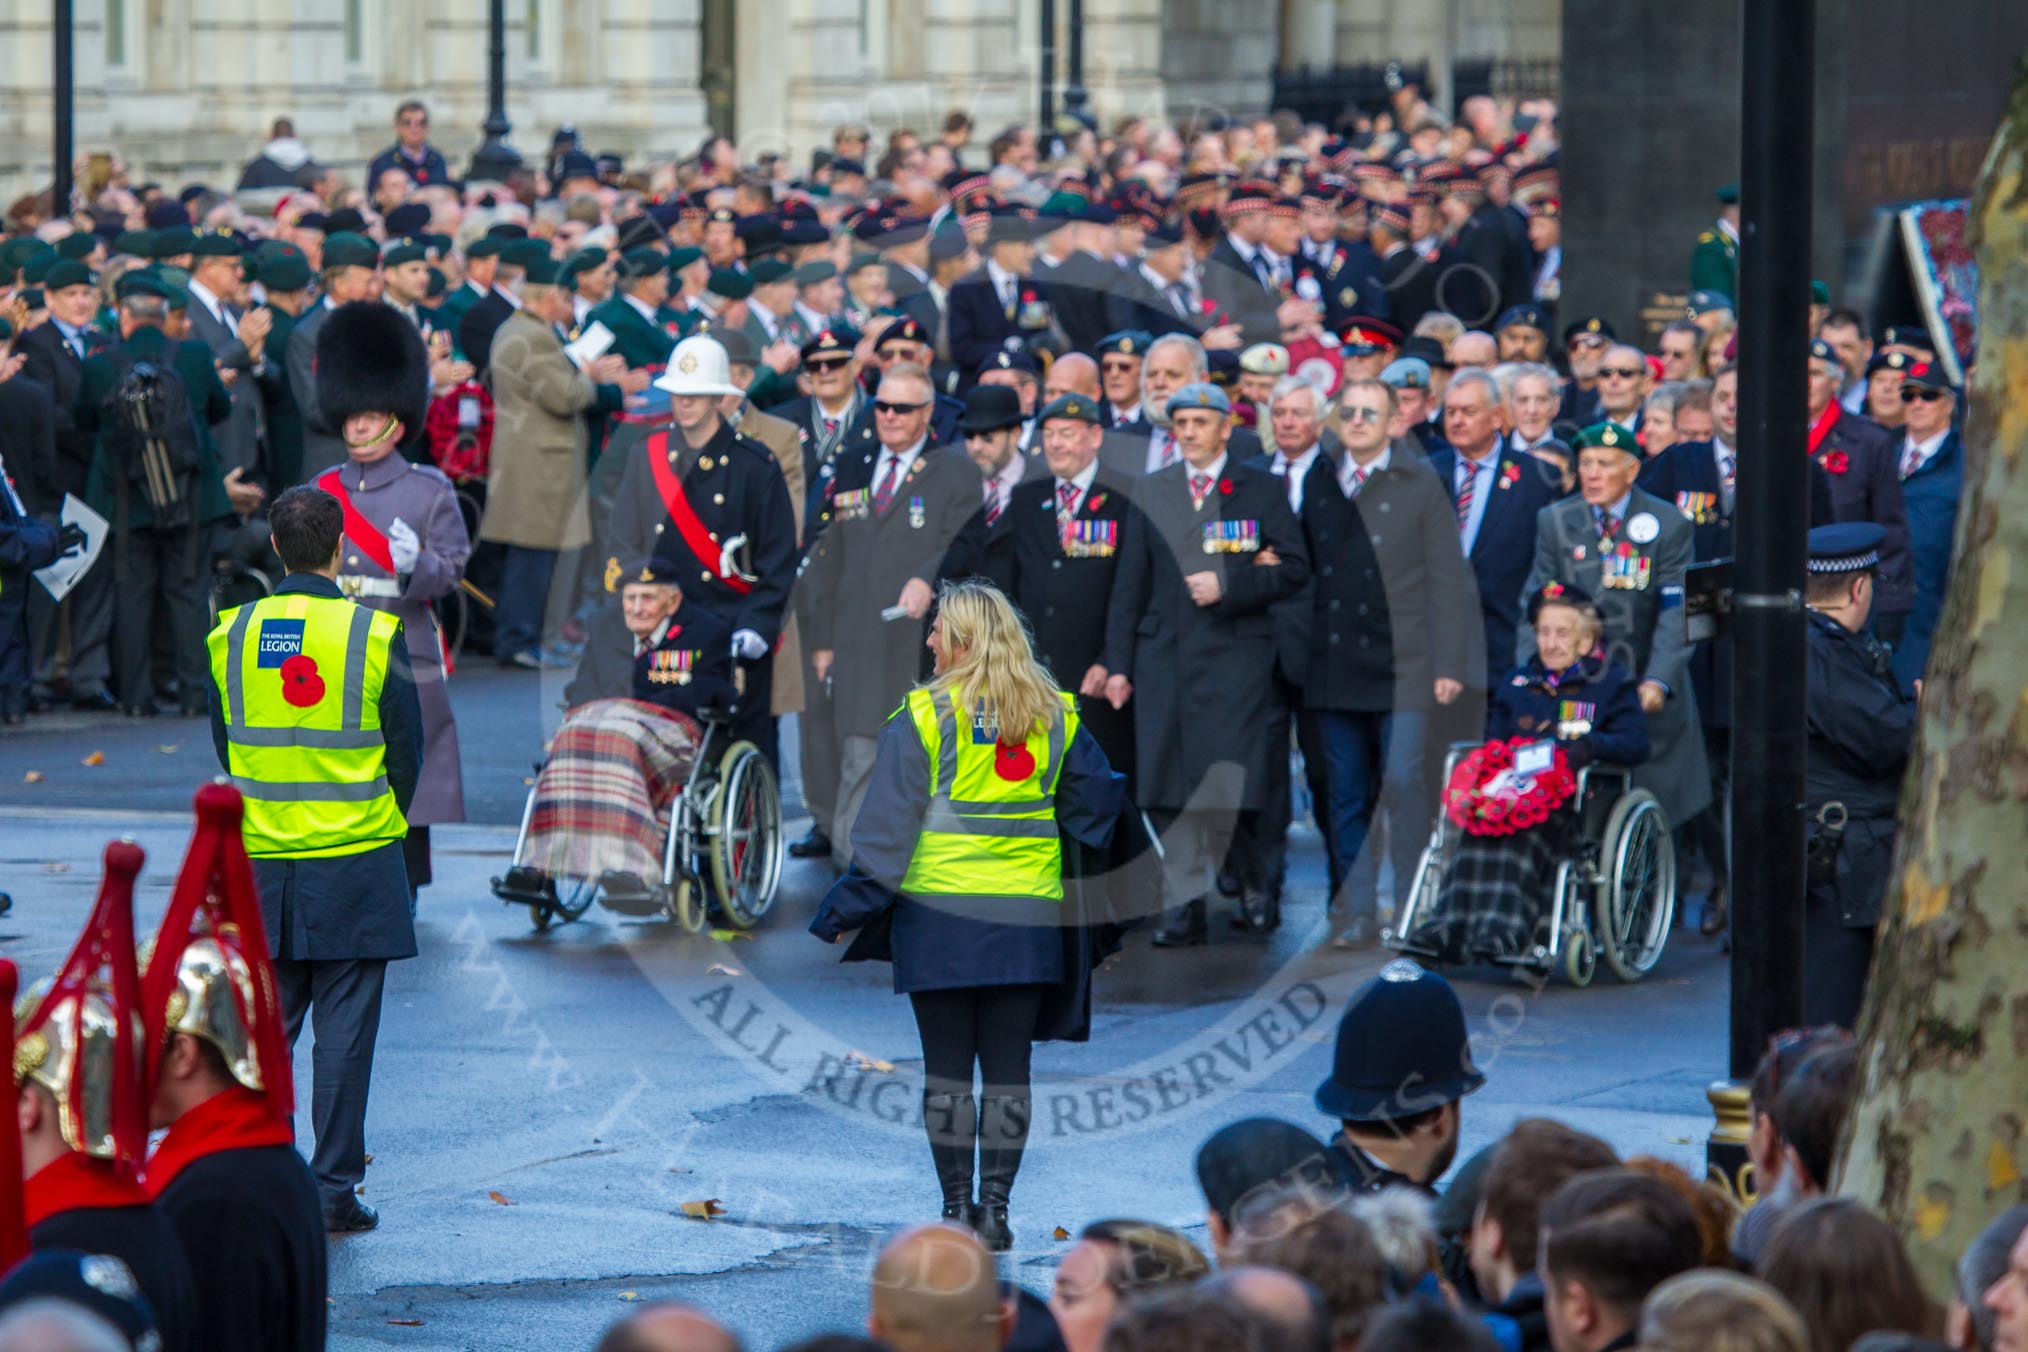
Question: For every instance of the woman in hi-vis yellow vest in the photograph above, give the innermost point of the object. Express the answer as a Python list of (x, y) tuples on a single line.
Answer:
[(958, 879)]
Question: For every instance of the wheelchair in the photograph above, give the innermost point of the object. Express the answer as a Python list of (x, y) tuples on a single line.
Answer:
[(721, 857), (1615, 899)]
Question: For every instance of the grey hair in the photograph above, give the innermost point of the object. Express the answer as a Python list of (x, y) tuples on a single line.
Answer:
[(1199, 363), (31, 1323), (1664, 395), (1319, 403), (1473, 375), (1985, 1262), (146, 307)]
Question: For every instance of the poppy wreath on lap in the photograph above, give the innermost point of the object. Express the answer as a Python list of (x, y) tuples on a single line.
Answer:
[(1486, 798)]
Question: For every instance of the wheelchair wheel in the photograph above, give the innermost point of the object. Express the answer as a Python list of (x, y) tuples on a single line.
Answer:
[(1580, 959), (574, 896), (745, 836), (1637, 897), (236, 586), (687, 904)]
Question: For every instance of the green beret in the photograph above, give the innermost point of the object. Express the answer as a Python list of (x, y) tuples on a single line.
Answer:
[(860, 262), (643, 260), (439, 283), (33, 298), (1728, 195), (1608, 434), (67, 272), (78, 244), (584, 260), (268, 248), (172, 241), (135, 243), (409, 250), (217, 243), (171, 275), (142, 282), (438, 245), (525, 254), (348, 250), (283, 271), (730, 283), (816, 270), (769, 270), (37, 268), (541, 269), (15, 254), (683, 257), (485, 246), (1077, 407), (1819, 293)]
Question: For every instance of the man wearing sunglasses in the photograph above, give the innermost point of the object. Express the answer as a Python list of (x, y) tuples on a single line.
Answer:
[(411, 152), (904, 516), (1622, 386), (1584, 345), (1932, 475)]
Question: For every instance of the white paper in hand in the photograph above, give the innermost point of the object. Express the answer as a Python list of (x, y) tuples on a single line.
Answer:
[(590, 345), (59, 577)]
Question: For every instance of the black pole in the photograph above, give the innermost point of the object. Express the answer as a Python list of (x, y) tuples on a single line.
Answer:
[(1074, 95), (495, 159), (1771, 524), (1048, 73), (64, 80)]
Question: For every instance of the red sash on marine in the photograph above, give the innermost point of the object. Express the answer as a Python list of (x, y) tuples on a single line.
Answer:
[(695, 536), (357, 528)]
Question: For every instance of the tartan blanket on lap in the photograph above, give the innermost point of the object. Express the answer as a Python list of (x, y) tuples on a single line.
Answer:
[(1496, 894), (602, 799)]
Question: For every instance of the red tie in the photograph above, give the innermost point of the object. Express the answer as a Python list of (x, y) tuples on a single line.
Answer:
[(1066, 510), (1358, 481), (1200, 486), (884, 493)]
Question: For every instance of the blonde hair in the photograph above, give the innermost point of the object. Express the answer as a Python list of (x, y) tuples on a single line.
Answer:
[(1708, 1310), (989, 661)]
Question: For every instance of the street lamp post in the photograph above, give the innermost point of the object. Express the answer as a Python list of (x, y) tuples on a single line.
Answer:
[(495, 159), (63, 78), (1048, 71), (1074, 94), (1777, 41)]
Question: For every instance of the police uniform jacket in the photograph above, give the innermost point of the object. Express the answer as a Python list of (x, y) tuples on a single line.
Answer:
[(1504, 548), (958, 941), (1530, 704), (535, 485), (1391, 599), (141, 1237), (637, 340), (1643, 625), (932, 530), (1931, 497), (1861, 726), (735, 487), (253, 1217), (422, 497), (209, 405), (52, 363), (1865, 485), (699, 679), (352, 906), (1066, 591), (1203, 676)]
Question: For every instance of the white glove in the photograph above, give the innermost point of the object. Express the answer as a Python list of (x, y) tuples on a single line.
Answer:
[(404, 544), (749, 646)]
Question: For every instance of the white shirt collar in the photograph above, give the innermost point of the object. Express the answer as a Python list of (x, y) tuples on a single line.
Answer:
[(660, 632), (1927, 449), (645, 310), (1349, 466), (211, 302), (1240, 246), (1299, 462), (1082, 480), (770, 321), (508, 296), (1000, 277), (1130, 414), (906, 457), (1720, 449), (1216, 470), (1486, 461)]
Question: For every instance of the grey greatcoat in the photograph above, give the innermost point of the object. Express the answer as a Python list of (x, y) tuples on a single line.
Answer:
[(1203, 676), (1643, 627), (423, 498)]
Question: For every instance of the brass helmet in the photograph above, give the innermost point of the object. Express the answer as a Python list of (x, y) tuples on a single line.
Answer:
[(72, 1045), (212, 986)]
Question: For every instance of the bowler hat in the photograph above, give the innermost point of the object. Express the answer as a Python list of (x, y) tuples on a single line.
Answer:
[(988, 408), (1402, 1049)]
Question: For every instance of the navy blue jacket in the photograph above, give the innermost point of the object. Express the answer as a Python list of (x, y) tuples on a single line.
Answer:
[(431, 172), (1503, 552), (1527, 705), (1931, 497), (708, 640), (25, 545), (955, 941)]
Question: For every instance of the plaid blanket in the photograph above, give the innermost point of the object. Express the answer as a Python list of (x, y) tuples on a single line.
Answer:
[(1496, 894), (602, 799)]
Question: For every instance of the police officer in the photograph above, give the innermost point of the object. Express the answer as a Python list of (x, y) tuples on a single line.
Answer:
[(314, 716), (1861, 726), (957, 878), (1400, 1070)]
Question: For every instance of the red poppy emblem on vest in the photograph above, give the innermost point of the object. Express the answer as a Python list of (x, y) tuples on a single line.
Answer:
[(301, 685), (1013, 763)]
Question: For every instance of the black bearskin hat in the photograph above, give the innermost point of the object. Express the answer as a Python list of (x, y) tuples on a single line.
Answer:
[(371, 359)]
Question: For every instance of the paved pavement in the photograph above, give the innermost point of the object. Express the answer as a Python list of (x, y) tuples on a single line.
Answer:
[(546, 1104)]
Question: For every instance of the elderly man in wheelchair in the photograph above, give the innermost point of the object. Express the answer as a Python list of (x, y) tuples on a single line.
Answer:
[(1543, 850), (644, 791)]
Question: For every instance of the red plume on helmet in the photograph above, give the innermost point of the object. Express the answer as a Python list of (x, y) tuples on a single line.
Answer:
[(214, 906), (100, 968), (13, 1233)]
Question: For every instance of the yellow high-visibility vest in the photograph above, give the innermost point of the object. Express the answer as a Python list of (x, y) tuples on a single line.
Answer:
[(300, 678), (985, 835)]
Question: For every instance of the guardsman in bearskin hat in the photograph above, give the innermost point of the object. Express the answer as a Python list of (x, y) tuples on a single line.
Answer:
[(405, 541), (82, 1115), (226, 1175)]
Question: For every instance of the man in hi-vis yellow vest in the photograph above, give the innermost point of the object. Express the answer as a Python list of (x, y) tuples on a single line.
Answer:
[(315, 718)]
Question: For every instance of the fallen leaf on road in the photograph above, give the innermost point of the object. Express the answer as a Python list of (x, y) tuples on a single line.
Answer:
[(861, 1061), (704, 1210), (56, 866), (406, 1323), (1680, 1140), (168, 748), (630, 1295), (720, 969), (527, 779), (501, 1199), (369, 1159), (727, 935), (96, 758), (1059, 1233), (33, 777)]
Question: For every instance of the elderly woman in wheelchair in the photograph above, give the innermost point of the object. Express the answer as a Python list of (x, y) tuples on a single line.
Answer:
[(1519, 836), (610, 814)]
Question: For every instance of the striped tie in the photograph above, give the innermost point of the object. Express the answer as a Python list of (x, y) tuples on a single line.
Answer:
[(1358, 482), (994, 503), (1066, 511), (1200, 485), (883, 495), (1466, 490), (1911, 462)]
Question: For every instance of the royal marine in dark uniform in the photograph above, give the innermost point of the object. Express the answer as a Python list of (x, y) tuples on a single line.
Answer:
[(1861, 726)]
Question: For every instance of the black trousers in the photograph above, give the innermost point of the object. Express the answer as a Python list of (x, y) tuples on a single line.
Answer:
[(522, 608), (1278, 812), (756, 721), (1705, 833), (817, 748), (89, 608), (992, 1027), (345, 993), (161, 576)]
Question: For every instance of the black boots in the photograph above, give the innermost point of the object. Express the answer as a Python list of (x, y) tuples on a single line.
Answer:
[(1003, 1135), (1183, 927), (952, 1123)]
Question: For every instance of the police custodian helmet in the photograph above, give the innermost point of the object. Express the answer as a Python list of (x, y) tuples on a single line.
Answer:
[(1402, 1049)]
